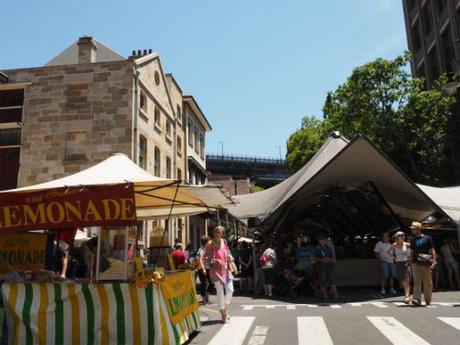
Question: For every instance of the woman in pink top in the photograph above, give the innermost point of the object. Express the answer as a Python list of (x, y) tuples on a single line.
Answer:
[(219, 255)]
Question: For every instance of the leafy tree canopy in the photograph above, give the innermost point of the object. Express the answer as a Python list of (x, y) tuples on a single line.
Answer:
[(381, 100)]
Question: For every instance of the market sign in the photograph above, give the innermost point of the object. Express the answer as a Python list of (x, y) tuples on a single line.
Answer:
[(180, 295), (22, 252), (68, 207)]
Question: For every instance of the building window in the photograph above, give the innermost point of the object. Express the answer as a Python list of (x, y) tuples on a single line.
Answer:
[(157, 78), (157, 118), (179, 146), (168, 130), (202, 146), (433, 63), (416, 41), (9, 167), (143, 102), (427, 22), (11, 102), (10, 137), (178, 114), (421, 71), (410, 5), (142, 152), (179, 174), (190, 133), (457, 19), (168, 167), (197, 141), (446, 52), (440, 5), (11, 98), (157, 163)]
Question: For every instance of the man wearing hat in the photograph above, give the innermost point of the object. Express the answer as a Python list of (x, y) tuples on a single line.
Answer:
[(423, 261)]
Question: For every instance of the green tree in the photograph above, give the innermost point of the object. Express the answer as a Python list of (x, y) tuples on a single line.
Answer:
[(409, 123), (303, 143)]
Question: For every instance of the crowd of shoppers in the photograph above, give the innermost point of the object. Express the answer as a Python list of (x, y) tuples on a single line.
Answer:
[(278, 266)]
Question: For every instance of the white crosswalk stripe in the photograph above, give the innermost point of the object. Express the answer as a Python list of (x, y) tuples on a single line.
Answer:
[(312, 330), (396, 332), (233, 332), (452, 321), (258, 335), (378, 304)]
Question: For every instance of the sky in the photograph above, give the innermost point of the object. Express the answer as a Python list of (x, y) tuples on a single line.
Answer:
[(256, 67)]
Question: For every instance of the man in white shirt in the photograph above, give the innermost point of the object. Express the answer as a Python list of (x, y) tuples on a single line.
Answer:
[(387, 266)]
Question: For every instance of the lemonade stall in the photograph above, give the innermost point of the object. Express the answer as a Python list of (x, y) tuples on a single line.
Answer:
[(119, 302)]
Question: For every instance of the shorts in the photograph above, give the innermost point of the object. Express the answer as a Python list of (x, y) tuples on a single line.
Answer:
[(452, 264), (387, 270), (325, 272), (269, 274), (401, 270)]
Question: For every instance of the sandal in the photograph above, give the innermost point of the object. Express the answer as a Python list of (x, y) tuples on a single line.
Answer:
[(224, 316)]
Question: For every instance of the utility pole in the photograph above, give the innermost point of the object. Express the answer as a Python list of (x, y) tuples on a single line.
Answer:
[(279, 151), (222, 147)]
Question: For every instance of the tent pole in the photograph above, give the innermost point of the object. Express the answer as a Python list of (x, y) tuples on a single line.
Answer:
[(166, 225), (125, 273), (98, 252), (385, 203)]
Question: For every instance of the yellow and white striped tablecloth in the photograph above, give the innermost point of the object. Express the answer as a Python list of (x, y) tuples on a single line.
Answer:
[(69, 313)]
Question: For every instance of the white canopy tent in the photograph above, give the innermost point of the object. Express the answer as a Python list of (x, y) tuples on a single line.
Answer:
[(448, 198), (154, 196), (347, 166)]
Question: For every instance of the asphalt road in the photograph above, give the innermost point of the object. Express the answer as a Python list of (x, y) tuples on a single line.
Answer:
[(362, 317)]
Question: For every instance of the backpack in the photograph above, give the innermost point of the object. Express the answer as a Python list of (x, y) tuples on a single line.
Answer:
[(263, 260)]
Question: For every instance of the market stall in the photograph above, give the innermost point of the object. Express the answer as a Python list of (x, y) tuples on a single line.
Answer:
[(120, 302)]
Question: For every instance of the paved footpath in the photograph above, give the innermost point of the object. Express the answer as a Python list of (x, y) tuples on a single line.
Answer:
[(360, 318)]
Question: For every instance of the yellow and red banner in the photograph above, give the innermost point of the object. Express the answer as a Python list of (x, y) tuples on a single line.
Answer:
[(22, 252), (68, 207), (180, 295)]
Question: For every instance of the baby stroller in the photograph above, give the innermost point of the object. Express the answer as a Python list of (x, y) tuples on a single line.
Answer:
[(289, 283)]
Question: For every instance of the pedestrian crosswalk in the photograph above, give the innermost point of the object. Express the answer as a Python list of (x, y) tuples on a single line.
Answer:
[(312, 330), (315, 330), (234, 332), (377, 304), (396, 332)]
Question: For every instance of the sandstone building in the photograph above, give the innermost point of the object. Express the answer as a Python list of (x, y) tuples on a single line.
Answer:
[(89, 102)]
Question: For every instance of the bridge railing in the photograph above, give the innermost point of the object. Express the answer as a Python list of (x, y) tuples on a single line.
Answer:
[(244, 158)]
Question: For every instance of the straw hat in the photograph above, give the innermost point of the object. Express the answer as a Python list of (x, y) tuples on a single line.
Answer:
[(416, 225)]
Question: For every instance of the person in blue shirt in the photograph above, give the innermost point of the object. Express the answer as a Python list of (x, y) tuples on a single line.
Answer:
[(304, 263), (325, 268)]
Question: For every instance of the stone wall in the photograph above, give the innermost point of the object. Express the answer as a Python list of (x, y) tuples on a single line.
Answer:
[(156, 135), (74, 117)]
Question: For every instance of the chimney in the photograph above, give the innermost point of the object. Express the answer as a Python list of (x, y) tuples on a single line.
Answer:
[(86, 50)]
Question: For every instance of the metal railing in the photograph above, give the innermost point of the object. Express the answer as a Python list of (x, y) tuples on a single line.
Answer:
[(244, 158)]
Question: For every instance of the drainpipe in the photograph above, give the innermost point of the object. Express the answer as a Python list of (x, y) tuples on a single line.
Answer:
[(134, 151), (174, 138)]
